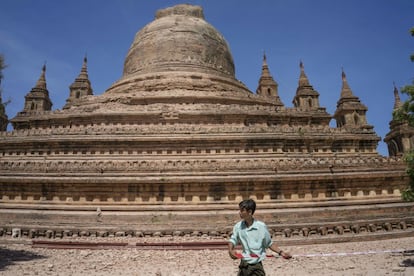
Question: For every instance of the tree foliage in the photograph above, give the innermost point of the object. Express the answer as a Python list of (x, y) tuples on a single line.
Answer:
[(412, 33), (406, 114), (2, 66)]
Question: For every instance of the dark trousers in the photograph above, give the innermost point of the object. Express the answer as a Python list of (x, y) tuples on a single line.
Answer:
[(246, 269)]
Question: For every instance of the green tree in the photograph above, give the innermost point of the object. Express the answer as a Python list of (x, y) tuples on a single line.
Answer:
[(3, 116), (2, 66), (406, 114)]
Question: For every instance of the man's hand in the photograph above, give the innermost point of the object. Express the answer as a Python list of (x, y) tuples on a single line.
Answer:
[(285, 255), (233, 254)]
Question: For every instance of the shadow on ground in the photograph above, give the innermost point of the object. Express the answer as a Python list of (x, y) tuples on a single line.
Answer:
[(11, 257), (407, 263)]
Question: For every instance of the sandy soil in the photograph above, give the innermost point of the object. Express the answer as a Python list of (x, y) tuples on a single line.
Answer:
[(367, 258)]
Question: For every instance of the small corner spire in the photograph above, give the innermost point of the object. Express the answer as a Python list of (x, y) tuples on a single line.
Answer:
[(81, 86), (267, 85), (37, 100)]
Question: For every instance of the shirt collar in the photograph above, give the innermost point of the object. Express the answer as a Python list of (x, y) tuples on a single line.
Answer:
[(251, 227)]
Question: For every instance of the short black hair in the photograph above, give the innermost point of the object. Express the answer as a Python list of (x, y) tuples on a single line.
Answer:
[(248, 204)]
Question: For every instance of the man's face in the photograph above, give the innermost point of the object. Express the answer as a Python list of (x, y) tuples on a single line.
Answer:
[(244, 214)]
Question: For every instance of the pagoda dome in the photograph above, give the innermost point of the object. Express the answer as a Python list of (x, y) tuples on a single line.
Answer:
[(179, 51), (179, 39)]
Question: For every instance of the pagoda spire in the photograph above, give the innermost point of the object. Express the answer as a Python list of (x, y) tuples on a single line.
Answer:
[(397, 100), (268, 87), (306, 97), (350, 112), (38, 98), (37, 102), (81, 87), (400, 137)]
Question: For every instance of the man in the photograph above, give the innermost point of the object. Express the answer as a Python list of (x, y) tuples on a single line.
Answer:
[(254, 238)]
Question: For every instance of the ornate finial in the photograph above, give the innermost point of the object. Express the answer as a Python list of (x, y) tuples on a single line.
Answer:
[(41, 82), (303, 79), (397, 100), (84, 65), (346, 90), (265, 68), (343, 74), (84, 70), (264, 59)]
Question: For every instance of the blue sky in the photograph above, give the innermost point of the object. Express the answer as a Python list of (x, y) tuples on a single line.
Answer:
[(370, 39)]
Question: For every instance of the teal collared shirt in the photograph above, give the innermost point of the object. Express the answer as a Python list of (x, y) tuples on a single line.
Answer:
[(254, 239)]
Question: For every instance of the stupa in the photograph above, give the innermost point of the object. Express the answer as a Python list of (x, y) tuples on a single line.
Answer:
[(174, 144)]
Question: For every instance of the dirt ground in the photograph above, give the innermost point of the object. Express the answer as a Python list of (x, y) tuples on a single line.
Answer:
[(384, 257)]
